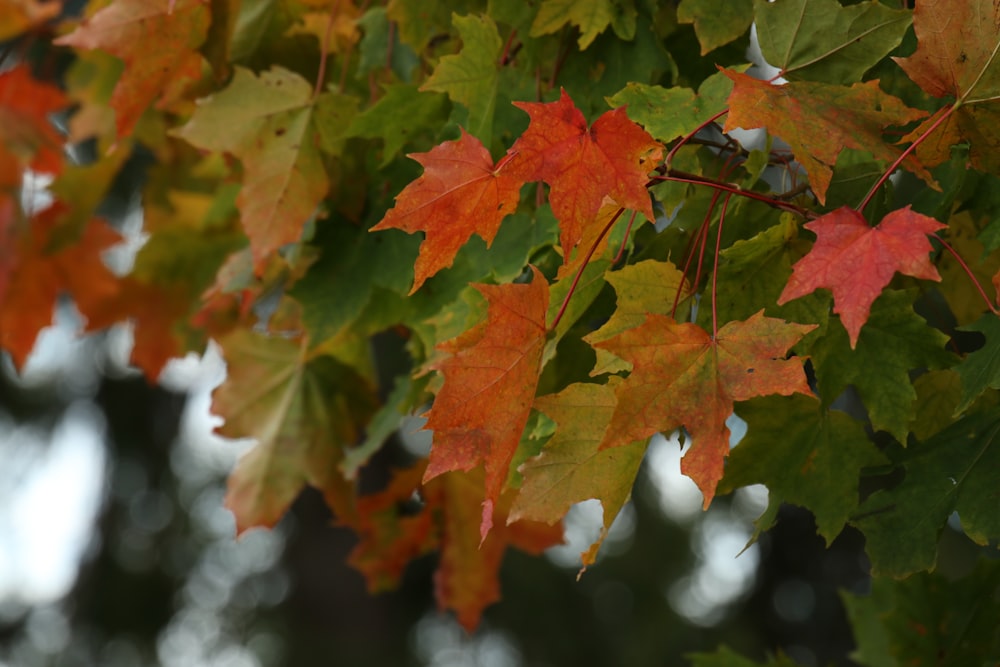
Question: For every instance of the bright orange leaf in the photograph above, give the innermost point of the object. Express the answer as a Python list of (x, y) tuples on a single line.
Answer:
[(467, 578), (27, 137), (461, 193), (584, 165), (39, 279), (489, 385), (819, 120), (158, 41), (682, 377), (856, 261)]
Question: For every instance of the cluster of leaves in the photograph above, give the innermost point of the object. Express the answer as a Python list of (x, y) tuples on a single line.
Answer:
[(649, 270)]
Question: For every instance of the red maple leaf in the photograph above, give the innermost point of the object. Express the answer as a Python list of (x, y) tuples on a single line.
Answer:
[(682, 377), (856, 261), (584, 165), (467, 578), (156, 39), (27, 138), (39, 278), (460, 193), (489, 385)]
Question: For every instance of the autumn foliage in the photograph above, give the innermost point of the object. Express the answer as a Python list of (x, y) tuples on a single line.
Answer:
[(554, 209)]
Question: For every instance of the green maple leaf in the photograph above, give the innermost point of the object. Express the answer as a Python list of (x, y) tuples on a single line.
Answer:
[(471, 77), (928, 614), (267, 122), (894, 341), (821, 40), (302, 411), (397, 117), (669, 113), (571, 467), (716, 22), (981, 369), (642, 288), (958, 470), (591, 17), (805, 454)]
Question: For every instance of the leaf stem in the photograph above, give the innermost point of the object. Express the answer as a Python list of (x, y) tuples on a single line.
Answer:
[(902, 156), (965, 267), (621, 249), (684, 177), (324, 50), (673, 151), (579, 272), (715, 267)]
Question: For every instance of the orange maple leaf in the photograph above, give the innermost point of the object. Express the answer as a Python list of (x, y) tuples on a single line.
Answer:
[(27, 138), (489, 385), (460, 193), (682, 377), (584, 165), (957, 44), (856, 261), (40, 278), (819, 120), (156, 39), (467, 578)]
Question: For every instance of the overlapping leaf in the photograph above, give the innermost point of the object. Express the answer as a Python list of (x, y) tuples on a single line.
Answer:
[(571, 467), (302, 412), (682, 377), (957, 56), (612, 158), (716, 22), (820, 120), (466, 580), (27, 137), (461, 193), (957, 470), (856, 261), (158, 41), (805, 454), (267, 122), (489, 385), (821, 40), (39, 278), (896, 341)]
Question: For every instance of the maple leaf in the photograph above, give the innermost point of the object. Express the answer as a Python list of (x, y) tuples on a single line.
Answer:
[(489, 385), (682, 377), (856, 261), (302, 411), (472, 76), (466, 579), (27, 138), (822, 40), (716, 22), (158, 41), (571, 467), (592, 18), (40, 278), (896, 341), (805, 454), (460, 193), (267, 123), (820, 120), (980, 369), (951, 472), (584, 165), (957, 46)]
